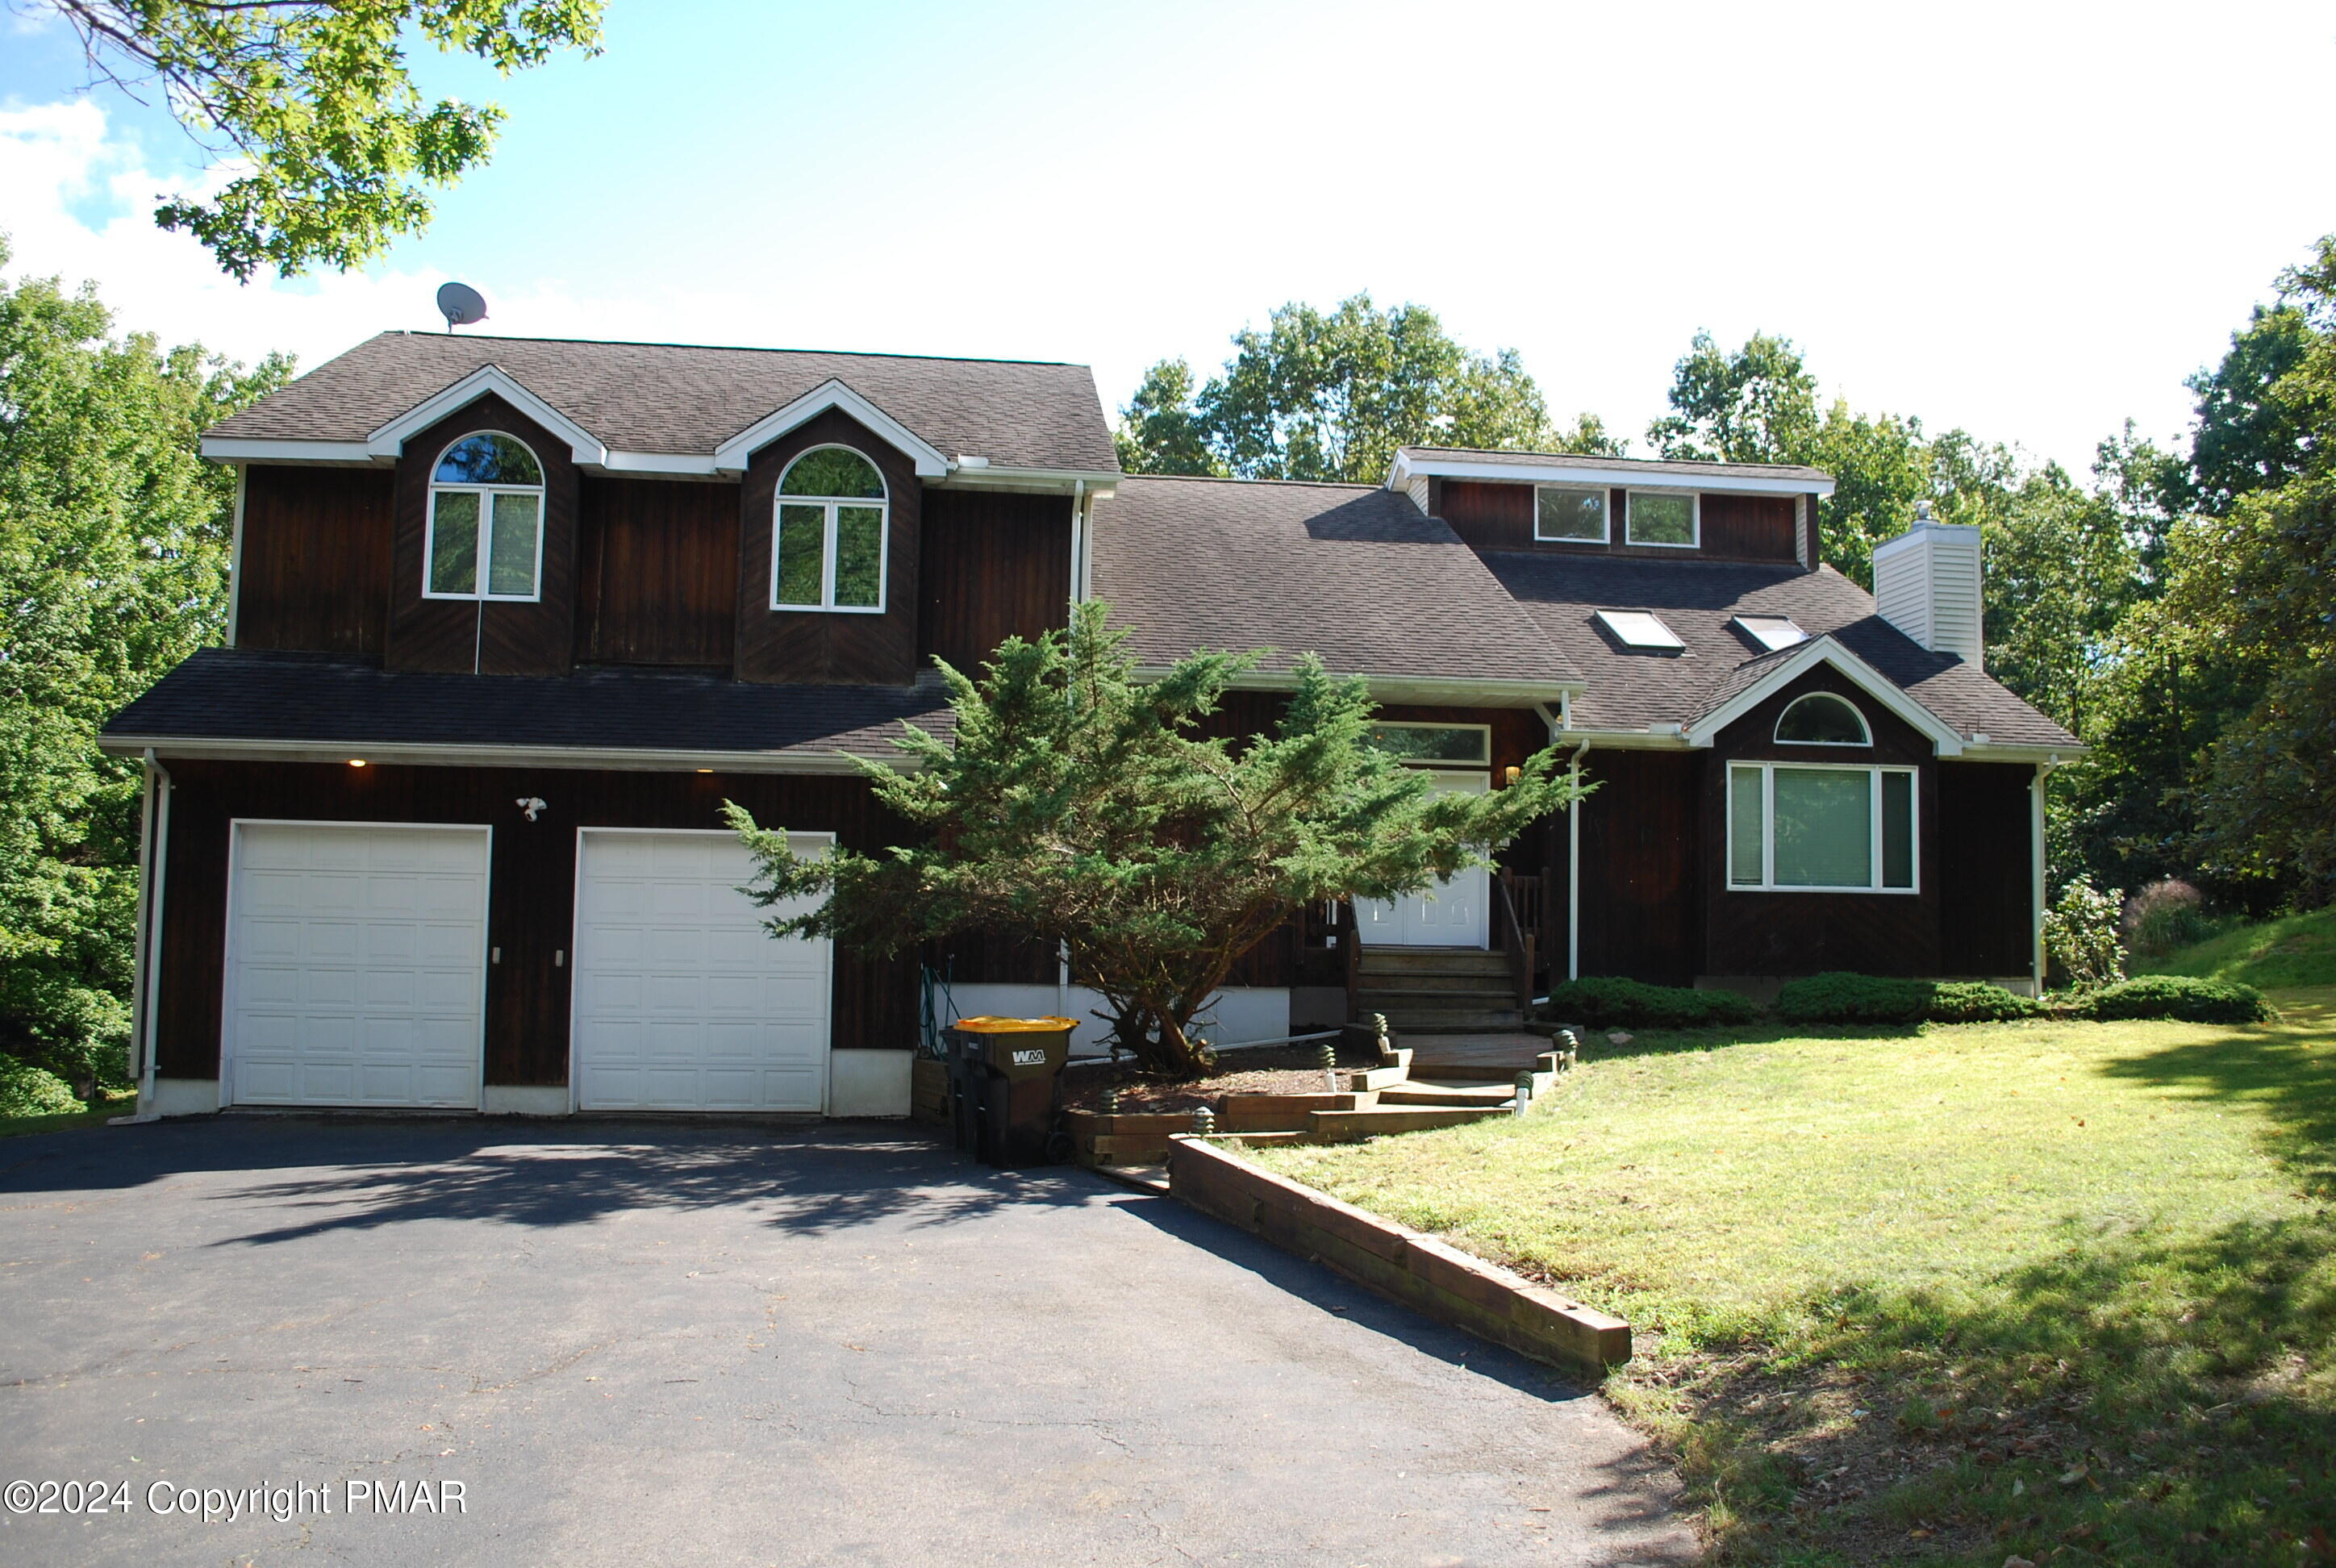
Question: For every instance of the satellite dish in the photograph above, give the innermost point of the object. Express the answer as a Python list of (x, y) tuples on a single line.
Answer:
[(461, 304)]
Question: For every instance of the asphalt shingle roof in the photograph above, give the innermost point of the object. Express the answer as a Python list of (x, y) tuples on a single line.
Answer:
[(661, 398), (1630, 689), (1355, 573), (1776, 470), (229, 694)]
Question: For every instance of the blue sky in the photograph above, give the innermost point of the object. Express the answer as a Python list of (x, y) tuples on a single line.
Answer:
[(2029, 220)]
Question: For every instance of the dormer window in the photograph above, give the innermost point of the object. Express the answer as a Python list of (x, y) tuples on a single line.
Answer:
[(1668, 518), (828, 544), (486, 520), (1570, 515), (1821, 719)]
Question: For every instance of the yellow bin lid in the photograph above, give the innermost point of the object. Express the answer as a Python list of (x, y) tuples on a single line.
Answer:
[(989, 1025)]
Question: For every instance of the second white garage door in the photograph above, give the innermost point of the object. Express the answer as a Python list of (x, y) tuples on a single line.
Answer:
[(682, 1001)]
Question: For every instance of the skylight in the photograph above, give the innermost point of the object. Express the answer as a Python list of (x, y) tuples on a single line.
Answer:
[(1637, 629), (1771, 631)]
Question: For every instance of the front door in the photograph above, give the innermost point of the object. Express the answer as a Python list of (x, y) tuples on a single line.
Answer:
[(1451, 914)]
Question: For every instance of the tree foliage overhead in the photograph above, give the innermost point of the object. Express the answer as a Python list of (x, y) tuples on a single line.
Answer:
[(1331, 396), (1077, 803), (113, 555), (310, 101)]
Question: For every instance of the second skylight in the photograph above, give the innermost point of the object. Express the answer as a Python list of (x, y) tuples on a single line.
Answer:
[(1638, 628)]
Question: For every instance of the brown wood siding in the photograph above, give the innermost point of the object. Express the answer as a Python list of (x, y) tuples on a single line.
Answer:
[(1797, 934), (1748, 527), (313, 572), (1640, 832), (532, 886), (824, 645), (1987, 869), (660, 579), (1491, 514), (462, 634), (994, 565)]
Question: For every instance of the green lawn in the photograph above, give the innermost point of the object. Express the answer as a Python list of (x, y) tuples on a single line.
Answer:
[(1944, 1294), (95, 1114), (2291, 950)]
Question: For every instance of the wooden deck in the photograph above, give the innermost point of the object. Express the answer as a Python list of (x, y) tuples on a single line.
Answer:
[(1474, 1058)]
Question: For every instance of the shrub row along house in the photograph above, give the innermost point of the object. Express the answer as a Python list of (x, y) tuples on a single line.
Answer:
[(512, 618)]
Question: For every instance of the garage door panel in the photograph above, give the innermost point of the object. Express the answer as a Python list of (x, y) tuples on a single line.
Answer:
[(357, 965), (682, 1001)]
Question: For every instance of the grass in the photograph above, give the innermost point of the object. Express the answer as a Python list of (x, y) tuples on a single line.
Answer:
[(1948, 1294), (2290, 951), (96, 1113)]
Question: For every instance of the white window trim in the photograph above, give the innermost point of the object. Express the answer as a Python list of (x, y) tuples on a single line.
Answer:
[(486, 494), (1768, 883), (1474, 766), (829, 504), (1864, 729), (1605, 514), (1694, 516)]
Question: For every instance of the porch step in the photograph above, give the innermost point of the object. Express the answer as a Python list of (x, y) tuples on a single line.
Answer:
[(1449, 1095), (1347, 1126), (1387, 960), (1436, 980)]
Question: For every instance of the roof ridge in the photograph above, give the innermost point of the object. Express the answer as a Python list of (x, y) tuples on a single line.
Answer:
[(725, 347), (1614, 457)]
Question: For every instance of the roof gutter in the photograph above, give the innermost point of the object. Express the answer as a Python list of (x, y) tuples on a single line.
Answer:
[(210, 748), (1409, 690)]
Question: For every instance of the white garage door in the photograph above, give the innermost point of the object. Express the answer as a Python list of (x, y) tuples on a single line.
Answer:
[(684, 1003), (357, 965)]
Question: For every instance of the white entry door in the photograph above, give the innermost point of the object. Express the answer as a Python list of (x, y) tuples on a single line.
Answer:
[(1451, 914), (357, 965), (682, 1001)]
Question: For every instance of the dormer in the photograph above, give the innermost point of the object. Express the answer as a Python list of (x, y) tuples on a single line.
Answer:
[(1565, 503)]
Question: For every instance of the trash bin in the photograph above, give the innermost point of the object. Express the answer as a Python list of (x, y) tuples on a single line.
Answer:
[(1002, 1085)]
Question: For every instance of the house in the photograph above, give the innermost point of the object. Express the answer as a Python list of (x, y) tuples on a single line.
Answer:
[(512, 618)]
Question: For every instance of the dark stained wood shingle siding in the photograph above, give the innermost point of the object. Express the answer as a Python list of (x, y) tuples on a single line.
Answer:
[(993, 565), (1748, 527), (659, 578), (798, 644), (531, 888), (1986, 868), (1640, 849), (315, 567), (1494, 515)]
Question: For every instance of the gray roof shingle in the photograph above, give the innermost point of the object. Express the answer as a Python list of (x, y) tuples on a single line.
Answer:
[(229, 694), (1355, 573), (1630, 690), (662, 398)]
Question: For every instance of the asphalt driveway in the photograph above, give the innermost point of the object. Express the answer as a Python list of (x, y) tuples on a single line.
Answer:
[(648, 1343)]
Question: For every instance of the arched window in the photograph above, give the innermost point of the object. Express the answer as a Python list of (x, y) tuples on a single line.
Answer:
[(1822, 718), (486, 520), (828, 540)]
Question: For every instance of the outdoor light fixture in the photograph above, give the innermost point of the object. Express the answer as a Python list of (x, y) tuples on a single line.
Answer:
[(357, 762)]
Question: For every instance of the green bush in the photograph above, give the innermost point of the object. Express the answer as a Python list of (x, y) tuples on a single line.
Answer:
[(1841, 998), (2179, 996), (29, 1091), (1609, 999)]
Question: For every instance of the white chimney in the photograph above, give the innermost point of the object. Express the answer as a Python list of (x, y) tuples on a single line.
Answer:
[(1926, 583)]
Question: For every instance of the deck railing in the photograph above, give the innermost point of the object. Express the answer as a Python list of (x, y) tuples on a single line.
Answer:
[(1515, 938)]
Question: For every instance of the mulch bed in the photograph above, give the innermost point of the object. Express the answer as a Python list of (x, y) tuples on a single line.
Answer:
[(1273, 1070)]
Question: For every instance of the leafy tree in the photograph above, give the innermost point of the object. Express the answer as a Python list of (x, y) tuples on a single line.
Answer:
[(313, 101), (1757, 404), (1077, 803), (113, 544), (1331, 395), (2249, 435), (2060, 572)]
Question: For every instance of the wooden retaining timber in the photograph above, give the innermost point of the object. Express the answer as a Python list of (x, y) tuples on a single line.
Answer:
[(1417, 1271)]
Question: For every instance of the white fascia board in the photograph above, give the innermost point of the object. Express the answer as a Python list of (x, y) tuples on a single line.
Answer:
[(419, 754), (1400, 476), (671, 465), (389, 442), (1624, 739), (1823, 649), (734, 454), (1101, 483), (2000, 751), (339, 454)]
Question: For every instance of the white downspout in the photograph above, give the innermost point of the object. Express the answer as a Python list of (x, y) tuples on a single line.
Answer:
[(235, 560), (2036, 793), (1079, 544), (153, 879), (1559, 725), (135, 1053)]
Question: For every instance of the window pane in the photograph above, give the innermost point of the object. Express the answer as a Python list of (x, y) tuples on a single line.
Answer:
[(860, 555), (490, 457), (1661, 519), (1825, 828), (1434, 743), (1570, 514), (1744, 825), (832, 471), (1822, 719), (1897, 830), (510, 551), (803, 546), (455, 542)]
